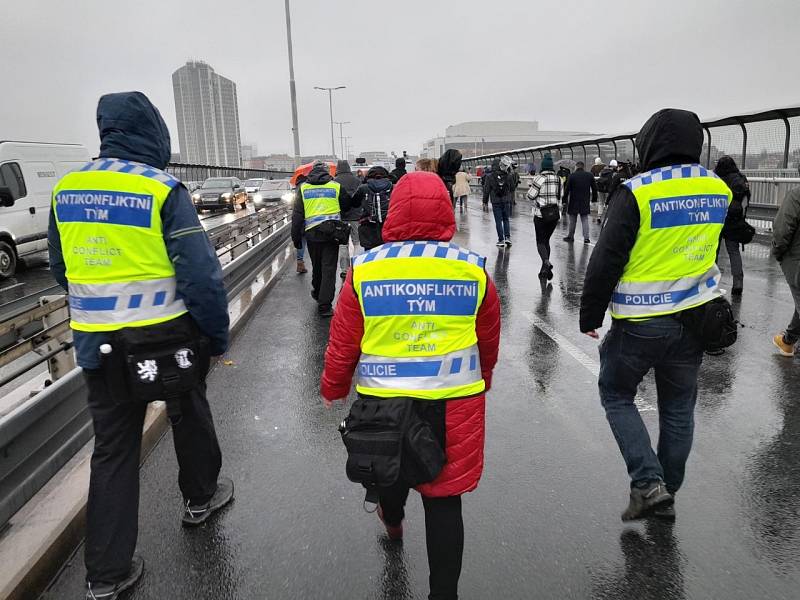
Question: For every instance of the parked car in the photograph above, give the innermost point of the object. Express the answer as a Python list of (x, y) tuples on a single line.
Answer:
[(272, 191), (251, 186), (225, 193), (28, 172)]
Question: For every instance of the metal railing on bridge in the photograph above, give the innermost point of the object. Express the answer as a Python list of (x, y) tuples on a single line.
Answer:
[(199, 173), (768, 142)]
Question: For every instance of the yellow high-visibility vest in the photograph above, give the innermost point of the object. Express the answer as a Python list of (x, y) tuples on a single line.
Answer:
[(672, 266), (321, 203), (109, 219), (420, 302)]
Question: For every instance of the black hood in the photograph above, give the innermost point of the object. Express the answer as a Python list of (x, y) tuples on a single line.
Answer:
[(496, 164), (400, 163), (131, 128), (449, 164), (319, 175), (377, 173), (670, 137), (725, 166), (343, 166)]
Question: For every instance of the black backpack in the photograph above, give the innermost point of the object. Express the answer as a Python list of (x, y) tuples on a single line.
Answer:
[(501, 185), (378, 205), (604, 181)]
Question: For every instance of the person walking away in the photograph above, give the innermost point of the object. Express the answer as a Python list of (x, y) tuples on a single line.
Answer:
[(604, 187), (156, 283), (484, 197), (786, 250), (563, 174), (376, 194), (496, 191), (655, 263), (545, 191), (364, 335), (399, 170), (448, 165), (301, 251), (350, 183), (597, 167), (317, 209), (579, 191), (461, 189), (623, 172), (735, 222)]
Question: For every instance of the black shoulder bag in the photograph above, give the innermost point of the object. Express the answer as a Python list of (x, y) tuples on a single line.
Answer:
[(713, 323), (386, 440)]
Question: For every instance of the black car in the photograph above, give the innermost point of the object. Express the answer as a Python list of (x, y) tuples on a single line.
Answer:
[(217, 193)]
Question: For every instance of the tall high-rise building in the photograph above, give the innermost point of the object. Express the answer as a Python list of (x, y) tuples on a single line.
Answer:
[(208, 116)]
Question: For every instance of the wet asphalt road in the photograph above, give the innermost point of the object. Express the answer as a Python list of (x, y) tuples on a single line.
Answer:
[(544, 522)]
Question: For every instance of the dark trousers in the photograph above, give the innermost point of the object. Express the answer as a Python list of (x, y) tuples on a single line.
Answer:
[(544, 232), (501, 211), (113, 509), (628, 351), (792, 273), (444, 536), (324, 257)]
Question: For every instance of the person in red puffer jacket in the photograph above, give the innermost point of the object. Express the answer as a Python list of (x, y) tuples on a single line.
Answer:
[(464, 313)]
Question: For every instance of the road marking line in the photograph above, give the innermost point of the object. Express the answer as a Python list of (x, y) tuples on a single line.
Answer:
[(11, 287), (587, 361)]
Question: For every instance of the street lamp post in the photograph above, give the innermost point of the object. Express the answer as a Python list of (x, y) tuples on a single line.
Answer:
[(292, 90), (341, 136), (330, 91)]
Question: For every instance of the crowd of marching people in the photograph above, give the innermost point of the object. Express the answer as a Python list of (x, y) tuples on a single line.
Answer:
[(416, 327)]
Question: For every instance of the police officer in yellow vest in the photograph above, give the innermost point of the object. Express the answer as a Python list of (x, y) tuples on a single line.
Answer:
[(655, 264), (148, 309), (319, 203)]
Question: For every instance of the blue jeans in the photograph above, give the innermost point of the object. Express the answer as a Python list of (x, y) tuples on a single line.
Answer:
[(501, 211), (301, 251), (628, 351)]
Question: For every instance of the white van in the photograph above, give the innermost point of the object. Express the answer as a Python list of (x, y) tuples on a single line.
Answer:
[(28, 173)]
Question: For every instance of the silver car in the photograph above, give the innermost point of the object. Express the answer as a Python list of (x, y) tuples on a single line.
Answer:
[(273, 191)]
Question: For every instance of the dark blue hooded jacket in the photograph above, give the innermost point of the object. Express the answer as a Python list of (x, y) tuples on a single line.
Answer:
[(131, 128)]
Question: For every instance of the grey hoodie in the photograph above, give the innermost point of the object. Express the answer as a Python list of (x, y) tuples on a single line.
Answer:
[(349, 183)]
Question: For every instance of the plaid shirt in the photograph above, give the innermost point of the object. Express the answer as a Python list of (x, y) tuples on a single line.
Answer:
[(545, 189)]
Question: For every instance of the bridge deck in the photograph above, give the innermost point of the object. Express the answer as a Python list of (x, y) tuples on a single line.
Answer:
[(545, 521)]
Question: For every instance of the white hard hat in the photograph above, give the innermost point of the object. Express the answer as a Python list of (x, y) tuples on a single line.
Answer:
[(613, 163), (597, 161)]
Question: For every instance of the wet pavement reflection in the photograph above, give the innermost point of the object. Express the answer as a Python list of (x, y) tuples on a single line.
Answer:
[(544, 523)]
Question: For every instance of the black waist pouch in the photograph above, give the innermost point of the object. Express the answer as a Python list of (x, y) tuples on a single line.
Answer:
[(334, 231), (424, 457), (713, 323), (156, 362), (370, 234)]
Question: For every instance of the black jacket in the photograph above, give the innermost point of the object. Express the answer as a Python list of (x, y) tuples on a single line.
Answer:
[(497, 185), (449, 165), (350, 183), (729, 173), (318, 176), (670, 137), (399, 170), (580, 186)]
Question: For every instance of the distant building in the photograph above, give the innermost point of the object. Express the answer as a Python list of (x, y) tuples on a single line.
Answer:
[(482, 137), (207, 111), (248, 152)]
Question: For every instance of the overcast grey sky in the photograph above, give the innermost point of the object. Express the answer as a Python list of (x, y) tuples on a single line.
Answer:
[(411, 68)]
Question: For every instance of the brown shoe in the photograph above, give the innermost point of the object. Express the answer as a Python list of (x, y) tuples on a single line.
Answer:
[(301, 267), (784, 348)]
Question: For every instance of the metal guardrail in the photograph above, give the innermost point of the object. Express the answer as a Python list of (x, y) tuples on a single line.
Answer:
[(40, 436)]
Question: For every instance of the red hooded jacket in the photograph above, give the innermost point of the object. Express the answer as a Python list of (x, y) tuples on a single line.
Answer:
[(420, 209)]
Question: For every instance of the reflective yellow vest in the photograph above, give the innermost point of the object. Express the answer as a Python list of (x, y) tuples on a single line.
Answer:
[(321, 203), (109, 220), (420, 301), (672, 266)]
